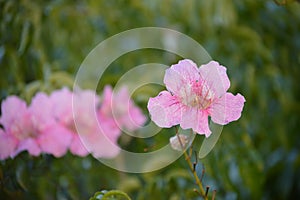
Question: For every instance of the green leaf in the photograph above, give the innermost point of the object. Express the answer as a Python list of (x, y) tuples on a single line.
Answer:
[(110, 195)]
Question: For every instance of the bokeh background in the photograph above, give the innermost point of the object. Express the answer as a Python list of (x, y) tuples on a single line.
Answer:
[(42, 44)]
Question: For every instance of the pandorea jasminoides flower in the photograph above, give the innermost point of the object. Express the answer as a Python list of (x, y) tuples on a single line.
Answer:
[(193, 95), (120, 109), (19, 134), (8, 145), (97, 137), (52, 137), (63, 113)]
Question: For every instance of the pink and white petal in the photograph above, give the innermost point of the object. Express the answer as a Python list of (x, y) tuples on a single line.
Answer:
[(227, 109), (183, 73), (13, 108), (195, 119), (215, 77), (77, 147), (165, 110), (30, 145), (8, 145), (55, 140)]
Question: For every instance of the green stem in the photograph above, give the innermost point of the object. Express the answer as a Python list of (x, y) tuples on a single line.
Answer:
[(191, 166)]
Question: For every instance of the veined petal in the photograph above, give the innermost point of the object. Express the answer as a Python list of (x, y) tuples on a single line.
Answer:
[(195, 119), (227, 109), (165, 109), (178, 75), (215, 78)]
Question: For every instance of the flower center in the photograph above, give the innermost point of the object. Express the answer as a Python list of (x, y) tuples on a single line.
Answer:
[(197, 95)]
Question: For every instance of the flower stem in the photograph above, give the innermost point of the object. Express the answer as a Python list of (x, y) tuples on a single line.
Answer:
[(202, 193)]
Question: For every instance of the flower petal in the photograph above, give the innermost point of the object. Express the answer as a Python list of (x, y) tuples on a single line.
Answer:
[(100, 145), (215, 77), (62, 105), (227, 109), (178, 75), (125, 112), (7, 145), (13, 110), (165, 109), (106, 103), (55, 140), (85, 110), (77, 147), (29, 144), (41, 110), (134, 119), (195, 119)]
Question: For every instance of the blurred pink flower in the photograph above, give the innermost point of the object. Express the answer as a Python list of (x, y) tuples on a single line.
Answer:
[(66, 120), (8, 144), (120, 109), (63, 113), (19, 134), (193, 95), (98, 137), (53, 138)]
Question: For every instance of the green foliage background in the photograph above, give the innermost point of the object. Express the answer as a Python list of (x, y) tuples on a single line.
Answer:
[(42, 44)]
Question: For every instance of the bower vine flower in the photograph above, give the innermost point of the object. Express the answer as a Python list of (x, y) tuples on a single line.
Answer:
[(120, 109), (193, 94), (18, 134)]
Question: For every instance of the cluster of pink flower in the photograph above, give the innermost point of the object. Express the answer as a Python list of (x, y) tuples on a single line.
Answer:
[(78, 121)]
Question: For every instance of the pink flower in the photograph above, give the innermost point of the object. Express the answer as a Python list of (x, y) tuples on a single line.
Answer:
[(53, 138), (63, 113), (119, 108), (77, 114), (97, 136), (193, 95), (8, 144), (19, 134)]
